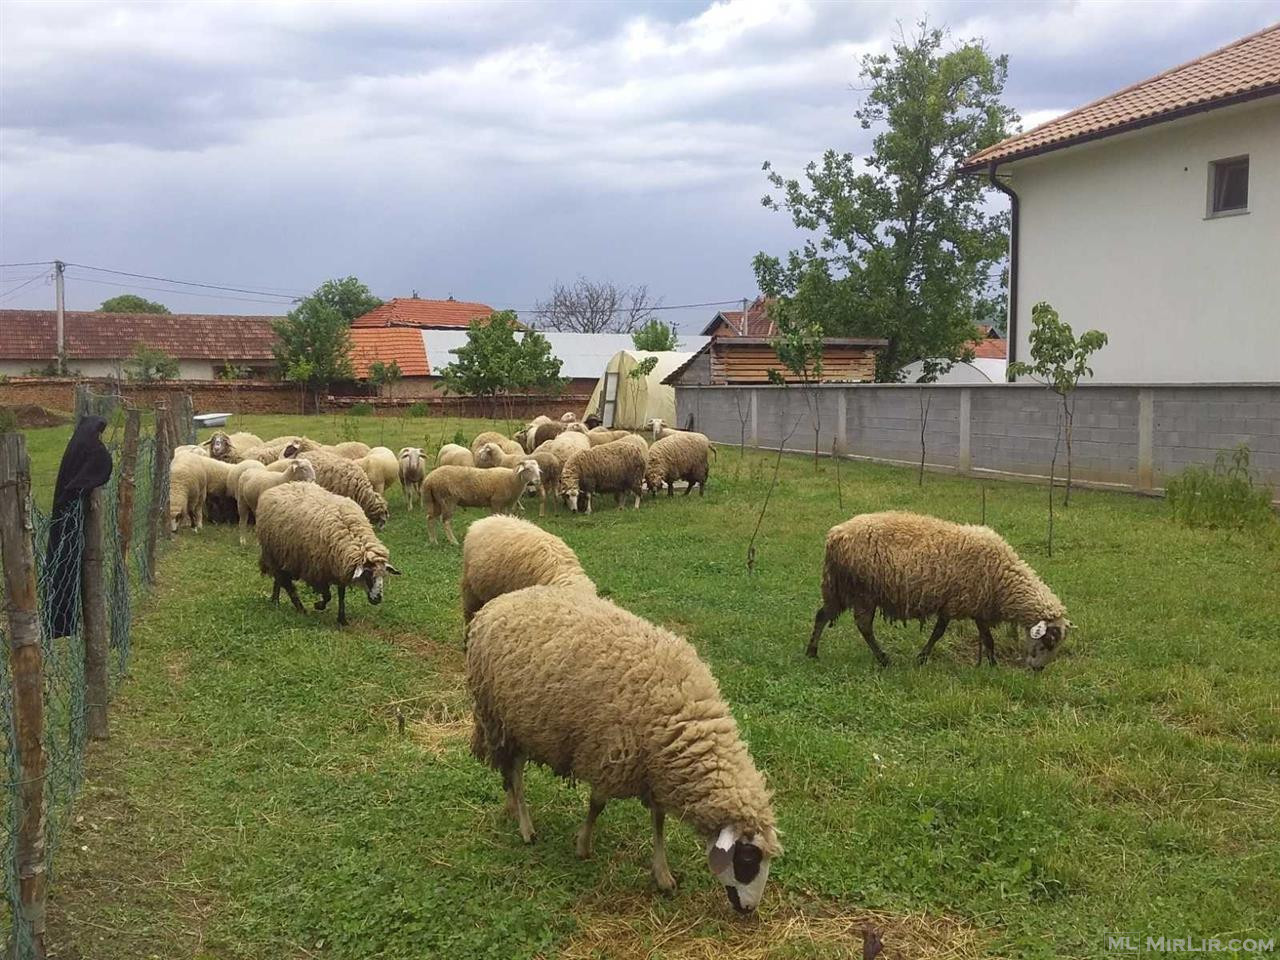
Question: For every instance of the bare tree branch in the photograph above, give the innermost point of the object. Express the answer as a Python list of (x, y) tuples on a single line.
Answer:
[(591, 306)]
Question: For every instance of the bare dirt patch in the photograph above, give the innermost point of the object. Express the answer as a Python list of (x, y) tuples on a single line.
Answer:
[(30, 416)]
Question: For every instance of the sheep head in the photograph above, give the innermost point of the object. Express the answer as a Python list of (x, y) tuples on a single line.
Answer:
[(577, 427), (300, 470), (1043, 640), (740, 860), (219, 445), (655, 427), (370, 573), (568, 417), (411, 457), (529, 472), (489, 455)]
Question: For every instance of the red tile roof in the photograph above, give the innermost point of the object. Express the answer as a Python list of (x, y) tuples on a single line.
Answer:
[(415, 312), (1244, 70), (992, 348), (729, 323), (401, 344), (32, 335)]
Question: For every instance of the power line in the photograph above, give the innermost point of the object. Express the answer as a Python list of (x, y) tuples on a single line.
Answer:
[(29, 263), (181, 293), (9, 293), (188, 283)]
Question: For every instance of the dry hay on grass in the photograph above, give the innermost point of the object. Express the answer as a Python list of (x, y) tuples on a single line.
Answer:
[(634, 928), (437, 720)]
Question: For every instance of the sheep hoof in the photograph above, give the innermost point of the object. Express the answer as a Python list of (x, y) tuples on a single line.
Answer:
[(811, 652), (922, 659), (320, 604), (666, 882)]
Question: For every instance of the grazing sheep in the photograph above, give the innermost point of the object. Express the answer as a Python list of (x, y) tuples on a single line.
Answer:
[(680, 456), (238, 470), (344, 478), (501, 554), (348, 449), (912, 567), (565, 445), (188, 484), (595, 693), (599, 437), (273, 450), (413, 470), (309, 534), (231, 448), (220, 496), (543, 432), (524, 436), (454, 455), (616, 468), (488, 436), (639, 442), (549, 467), (254, 483), (381, 466), (447, 488)]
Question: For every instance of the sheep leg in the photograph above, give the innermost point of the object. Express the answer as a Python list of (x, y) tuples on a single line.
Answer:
[(342, 604), (864, 619), (275, 591), (820, 620), (617, 499), (448, 530), (986, 640), (636, 506), (431, 524), (513, 779), (583, 845), (588, 497), (671, 489), (661, 872), (325, 595), (542, 500), (243, 511), (292, 591), (939, 629)]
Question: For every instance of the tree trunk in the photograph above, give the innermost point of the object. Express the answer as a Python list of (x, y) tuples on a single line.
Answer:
[(1069, 411)]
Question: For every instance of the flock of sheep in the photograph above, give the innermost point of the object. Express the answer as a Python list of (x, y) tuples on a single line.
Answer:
[(563, 677)]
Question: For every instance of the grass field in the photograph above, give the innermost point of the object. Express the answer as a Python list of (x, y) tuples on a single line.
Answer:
[(259, 799)]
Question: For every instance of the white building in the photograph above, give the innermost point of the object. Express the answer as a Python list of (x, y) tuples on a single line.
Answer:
[(1154, 216)]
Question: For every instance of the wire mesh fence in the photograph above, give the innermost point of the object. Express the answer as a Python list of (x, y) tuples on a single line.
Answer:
[(58, 565)]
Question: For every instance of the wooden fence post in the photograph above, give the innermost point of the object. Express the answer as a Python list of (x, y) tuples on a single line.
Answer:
[(93, 613), (17, 548), (128, 471), (159, 512)]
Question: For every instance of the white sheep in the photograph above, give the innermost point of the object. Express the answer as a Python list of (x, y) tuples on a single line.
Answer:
[(413, 470), (252, 484), (309, 534), (616, 468), (658, 430), (447, 488), (597, 694), (381, 466), (682, 455), (188, 484), (279, 447), (348, 449), (599, 437), (911, 567), (549, 468), (565, 445), (489, 436), (501, 554), (231, 447), (341, 476), (454, 455), (568, 417)]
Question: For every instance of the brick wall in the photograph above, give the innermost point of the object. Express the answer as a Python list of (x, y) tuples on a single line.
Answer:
[(1128, 436)]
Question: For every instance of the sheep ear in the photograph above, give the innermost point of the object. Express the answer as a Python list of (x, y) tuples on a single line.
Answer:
[(1038, 630), (720, 851), (357, 573), (393, 570)]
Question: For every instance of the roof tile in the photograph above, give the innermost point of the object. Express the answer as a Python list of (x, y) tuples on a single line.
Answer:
[(415, 312), (32, 335), (401, 344)]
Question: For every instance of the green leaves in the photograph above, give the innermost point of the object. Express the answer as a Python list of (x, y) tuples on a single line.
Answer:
[(495, 361), (348, 296), (1058, 358), (655, 335), (148, 364), (132, 303), (314, 344)]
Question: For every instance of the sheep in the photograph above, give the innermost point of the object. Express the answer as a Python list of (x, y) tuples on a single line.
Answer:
[(343, 477), (658, 430), (599, 436), (220, 496), (188, 484), (381, 466), (348, 449), (308, 533), (413, 471), (274, 449), (231, 448), (616, 468), (680, 456), (454, 455), (541, 433), (489, 436), (577, 428), (238, 470), (501, 554), (254, 483), (549, 467), (447, 488), (524, 436), (565, 445), (912, 566), (568, 417), (190, 449), (595, 693)]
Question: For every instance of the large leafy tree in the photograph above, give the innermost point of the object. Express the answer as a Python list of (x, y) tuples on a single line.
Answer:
[(313, 345), (495, 361), (656, 335), (901, 245), (348, 296), (132, 303)]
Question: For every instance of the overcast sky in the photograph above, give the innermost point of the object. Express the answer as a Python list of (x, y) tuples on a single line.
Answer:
[(476, 150)]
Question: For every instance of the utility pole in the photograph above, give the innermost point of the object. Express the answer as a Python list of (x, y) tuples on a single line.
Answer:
[(59, 269), (743, 318)]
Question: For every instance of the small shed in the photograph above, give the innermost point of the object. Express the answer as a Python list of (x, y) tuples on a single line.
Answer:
[(627, 402), (733, 360)]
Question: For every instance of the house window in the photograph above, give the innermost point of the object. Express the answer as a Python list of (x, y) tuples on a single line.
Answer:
[(1229, 186)]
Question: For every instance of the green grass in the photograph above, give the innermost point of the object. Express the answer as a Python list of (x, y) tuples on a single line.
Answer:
[(258, 800)]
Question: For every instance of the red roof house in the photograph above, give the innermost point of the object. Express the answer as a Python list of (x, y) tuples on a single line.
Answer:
[(429, 314)]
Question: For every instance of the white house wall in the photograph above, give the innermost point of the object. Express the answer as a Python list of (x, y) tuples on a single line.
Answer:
[(1115, 236)]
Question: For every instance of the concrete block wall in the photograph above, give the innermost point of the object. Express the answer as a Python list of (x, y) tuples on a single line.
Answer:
[(1134, 436)]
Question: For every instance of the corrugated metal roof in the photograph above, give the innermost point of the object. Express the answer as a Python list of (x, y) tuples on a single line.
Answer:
[(581, 355)]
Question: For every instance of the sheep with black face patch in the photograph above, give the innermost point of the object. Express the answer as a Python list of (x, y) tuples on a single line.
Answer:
[(912, 567), (597, 694), (321, 538), (280, 447)]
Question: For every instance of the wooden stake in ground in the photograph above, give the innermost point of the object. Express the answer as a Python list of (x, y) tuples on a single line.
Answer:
[(128, 484), (159, 511), (27, 670), (93, 613)]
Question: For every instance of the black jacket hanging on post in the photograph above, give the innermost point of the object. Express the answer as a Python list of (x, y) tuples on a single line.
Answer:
[(86, 464)]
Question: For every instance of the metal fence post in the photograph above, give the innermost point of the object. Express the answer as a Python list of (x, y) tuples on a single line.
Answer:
[(27, 670), (128, 472), (93, 613)]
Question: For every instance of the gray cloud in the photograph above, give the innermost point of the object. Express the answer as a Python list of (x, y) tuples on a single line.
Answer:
[(479, 150)]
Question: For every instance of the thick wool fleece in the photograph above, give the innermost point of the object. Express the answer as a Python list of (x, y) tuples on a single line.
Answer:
[(596, 693), (501, 554), (491, 455), (448, 487), (454, 455), (310, 534), (600, 437), (381, 466), (273, 450), (913, 567), (343, 477), (348, 449), (188, 486), (488, 436), (216, 474), (680, 456), (565, 445), (613, 468)]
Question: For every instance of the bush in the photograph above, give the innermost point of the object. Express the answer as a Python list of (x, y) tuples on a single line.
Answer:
[(1225, 496), (8, 421), (362, 409), (417, 410), (460, 439)]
